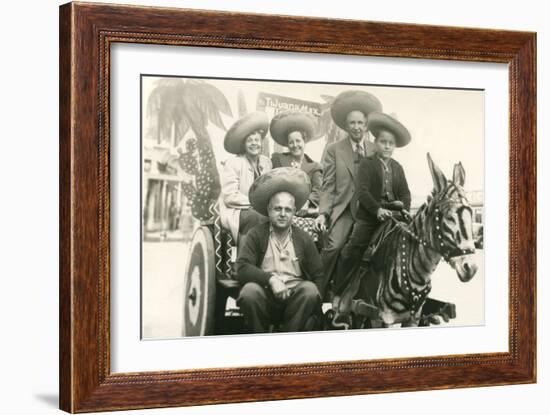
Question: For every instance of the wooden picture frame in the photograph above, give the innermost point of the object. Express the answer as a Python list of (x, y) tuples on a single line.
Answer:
[(86, 33)]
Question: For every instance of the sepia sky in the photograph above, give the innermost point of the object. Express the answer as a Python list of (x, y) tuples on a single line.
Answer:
[(448, 123)]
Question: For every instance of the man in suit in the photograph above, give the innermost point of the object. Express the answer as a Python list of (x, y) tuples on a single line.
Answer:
[(349, 111)]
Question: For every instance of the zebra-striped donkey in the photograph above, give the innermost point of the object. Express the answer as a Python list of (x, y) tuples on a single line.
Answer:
[(397, 279)]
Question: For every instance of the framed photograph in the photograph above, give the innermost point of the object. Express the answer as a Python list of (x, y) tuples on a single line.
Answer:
[(258, 207)]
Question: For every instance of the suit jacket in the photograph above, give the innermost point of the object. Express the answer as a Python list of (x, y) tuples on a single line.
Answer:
[(252, 253), (369, 186), (312, 168), (339, 167), (236, 179)]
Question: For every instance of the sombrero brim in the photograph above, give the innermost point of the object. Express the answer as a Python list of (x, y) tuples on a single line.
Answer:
[(281, 179), (379, 121), (349, 101), (285, 123), (233, 142)]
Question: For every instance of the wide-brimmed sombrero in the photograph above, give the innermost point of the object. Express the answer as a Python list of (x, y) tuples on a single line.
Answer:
[(233, 142), (282, 179), (379, 121), (349, 101), (286, 122)]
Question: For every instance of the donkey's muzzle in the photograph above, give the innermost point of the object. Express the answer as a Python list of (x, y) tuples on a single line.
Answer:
[(465, 267)]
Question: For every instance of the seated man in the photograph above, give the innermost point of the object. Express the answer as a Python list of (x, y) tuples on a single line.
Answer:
[(381, 189), (278, 266)]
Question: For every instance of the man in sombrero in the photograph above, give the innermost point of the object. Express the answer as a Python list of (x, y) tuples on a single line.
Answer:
[(349, 111), (278, 266)]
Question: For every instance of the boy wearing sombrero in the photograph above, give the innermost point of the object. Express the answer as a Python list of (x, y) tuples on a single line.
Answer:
[(278, 266), (349, 110), (382, 191)]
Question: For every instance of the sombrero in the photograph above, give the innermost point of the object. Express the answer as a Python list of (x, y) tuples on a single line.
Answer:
[(349, 101), (286, 122), (378, 121), (282, 179), (233, 142)]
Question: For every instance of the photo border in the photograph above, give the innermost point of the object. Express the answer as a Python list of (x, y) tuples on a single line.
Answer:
[(86, 33)]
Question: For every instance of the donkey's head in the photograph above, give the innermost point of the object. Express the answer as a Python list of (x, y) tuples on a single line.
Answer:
[(451, 225)]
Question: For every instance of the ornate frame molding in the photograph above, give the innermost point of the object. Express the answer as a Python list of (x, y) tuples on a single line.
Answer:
[(86, 33)]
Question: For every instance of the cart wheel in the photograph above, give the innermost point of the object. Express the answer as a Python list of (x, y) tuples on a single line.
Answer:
[(200, 286)]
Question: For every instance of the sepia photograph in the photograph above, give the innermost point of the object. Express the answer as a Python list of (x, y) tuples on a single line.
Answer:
[(277, 206), (259, 206)]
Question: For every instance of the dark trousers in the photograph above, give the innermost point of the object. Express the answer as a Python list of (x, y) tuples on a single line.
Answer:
[(352, 252), (335, 240), (261, 308)]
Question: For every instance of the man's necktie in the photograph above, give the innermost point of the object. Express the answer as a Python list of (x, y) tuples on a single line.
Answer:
[(359, 150), (359, 154)]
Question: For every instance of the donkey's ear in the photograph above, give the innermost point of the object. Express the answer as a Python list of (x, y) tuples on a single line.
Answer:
[(459, 175), (439, 179)]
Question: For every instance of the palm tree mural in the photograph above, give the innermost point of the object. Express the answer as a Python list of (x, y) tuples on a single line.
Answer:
[(183, 104), (179, 106)]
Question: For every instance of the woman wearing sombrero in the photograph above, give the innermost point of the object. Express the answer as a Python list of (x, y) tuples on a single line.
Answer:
[(244, 140), (293, 129)]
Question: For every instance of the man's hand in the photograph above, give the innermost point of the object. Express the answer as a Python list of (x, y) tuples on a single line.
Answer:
[(383, 214), (279, 289), (321, 223)]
